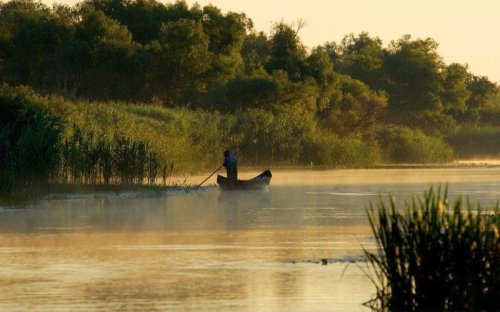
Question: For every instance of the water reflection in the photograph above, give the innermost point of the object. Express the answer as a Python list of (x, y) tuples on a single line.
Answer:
[(222, 270), (280, 207), (209, 250)]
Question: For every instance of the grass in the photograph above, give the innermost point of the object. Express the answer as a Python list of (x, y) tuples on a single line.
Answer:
[(25, 197), (434, 256), (129, 144), (480, 142)]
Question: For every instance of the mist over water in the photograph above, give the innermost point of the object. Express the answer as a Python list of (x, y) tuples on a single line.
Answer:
[(210, 250)]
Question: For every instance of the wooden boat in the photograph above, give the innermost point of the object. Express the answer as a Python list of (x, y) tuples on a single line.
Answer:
[(259, 182)]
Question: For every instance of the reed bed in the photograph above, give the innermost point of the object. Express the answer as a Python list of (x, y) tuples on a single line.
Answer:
[(477, 142), (88, 158), (130, 144), (434, 256)]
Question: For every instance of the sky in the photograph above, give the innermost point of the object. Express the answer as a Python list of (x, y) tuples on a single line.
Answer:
[(468, 32)]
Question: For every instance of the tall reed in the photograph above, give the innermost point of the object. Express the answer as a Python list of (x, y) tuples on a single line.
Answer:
[(435, 257), (472, 142), (87, 158)]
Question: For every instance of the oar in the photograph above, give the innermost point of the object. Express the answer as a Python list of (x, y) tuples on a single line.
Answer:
[(208, 177), (239, 150)]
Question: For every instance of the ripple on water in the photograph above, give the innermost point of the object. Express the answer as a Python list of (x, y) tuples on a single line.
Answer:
[(347, 193)]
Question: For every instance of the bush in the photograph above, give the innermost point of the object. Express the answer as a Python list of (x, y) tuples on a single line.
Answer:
[(331, 151), (476, 142), (490, 116), (433, 123), (241, 93), (435, 257), (405, 145), (29, 141)]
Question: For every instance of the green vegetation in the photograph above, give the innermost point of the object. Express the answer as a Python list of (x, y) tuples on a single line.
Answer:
[(173, 85), (476, 142), (435, 257), (413, 146), (95, 159), (29, 136)]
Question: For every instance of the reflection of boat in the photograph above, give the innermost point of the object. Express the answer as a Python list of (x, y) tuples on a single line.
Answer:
[(259, 182)]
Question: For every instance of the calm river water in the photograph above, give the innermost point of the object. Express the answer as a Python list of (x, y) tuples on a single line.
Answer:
[(209, 250)]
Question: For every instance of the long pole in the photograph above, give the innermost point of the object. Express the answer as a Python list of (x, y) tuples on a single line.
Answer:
[(208, 177), (239, 150)]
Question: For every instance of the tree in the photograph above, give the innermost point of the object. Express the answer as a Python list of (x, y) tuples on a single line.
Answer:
[(296, 98), (482, 93), (179, 61), (226, 33), (353, 108), (455, 92), (320, 67), (143, 18), (413, 69), (29, 35), (256, 52), (287, 52), (362, 58), (100, 54), (243, 92)]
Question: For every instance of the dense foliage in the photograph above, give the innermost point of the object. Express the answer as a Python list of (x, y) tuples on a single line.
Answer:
[(29, 138), (209, 82), (90, 158), (38, 146), (147, 51), (178, 136), (435, 257), (476, 142)]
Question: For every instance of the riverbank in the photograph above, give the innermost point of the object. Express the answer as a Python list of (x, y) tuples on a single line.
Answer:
[(468, 163), (31, 195), (185, 183), (464, 163)]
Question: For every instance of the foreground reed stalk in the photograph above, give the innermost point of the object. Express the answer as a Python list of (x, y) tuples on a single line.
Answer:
[(435, 257)]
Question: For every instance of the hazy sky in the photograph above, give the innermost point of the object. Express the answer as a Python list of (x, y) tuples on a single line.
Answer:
[(468, 32)]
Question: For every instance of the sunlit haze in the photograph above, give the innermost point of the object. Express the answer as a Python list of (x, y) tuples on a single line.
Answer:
[(468, 32), (212, 250)]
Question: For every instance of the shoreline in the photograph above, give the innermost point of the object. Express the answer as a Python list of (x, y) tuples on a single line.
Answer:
[(454, 165), (64, 191), (480, 163)]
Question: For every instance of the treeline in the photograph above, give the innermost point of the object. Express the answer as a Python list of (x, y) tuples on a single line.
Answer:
[(209, 74), (176, 55)]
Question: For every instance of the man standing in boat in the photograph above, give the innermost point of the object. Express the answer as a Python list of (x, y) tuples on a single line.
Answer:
[(230, 162)]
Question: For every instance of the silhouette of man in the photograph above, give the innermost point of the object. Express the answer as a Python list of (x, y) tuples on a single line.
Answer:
[(230, 162)]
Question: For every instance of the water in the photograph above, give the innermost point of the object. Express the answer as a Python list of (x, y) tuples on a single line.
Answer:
[(209, 250)]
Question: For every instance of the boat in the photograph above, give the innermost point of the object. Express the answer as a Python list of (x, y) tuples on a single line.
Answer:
[(259, 182)]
